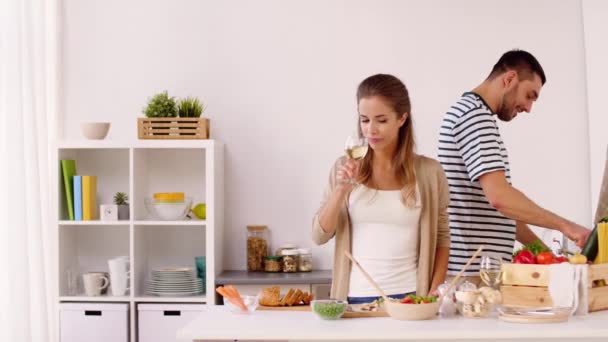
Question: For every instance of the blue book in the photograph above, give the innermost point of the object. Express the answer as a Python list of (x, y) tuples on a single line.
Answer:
[(78, 198)]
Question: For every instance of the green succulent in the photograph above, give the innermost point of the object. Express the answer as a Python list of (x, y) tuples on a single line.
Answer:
[(190, 108), (161, 106), (120, 198)]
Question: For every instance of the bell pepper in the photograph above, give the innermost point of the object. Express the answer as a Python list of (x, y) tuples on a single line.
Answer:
[(525, 257)]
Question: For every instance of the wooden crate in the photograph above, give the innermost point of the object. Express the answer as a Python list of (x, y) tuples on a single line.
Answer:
[(527, 285), (173, 128)]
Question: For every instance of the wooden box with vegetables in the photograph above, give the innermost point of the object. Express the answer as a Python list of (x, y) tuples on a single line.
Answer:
[(525, 282)]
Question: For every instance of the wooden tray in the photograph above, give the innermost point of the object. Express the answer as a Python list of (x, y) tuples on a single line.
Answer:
[(285, 308), (173, 128), (532, 318), (527, 285), (347, 314), (533, 315)]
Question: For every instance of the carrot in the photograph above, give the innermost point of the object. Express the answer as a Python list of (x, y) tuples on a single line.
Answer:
[(230, 295), (237, 296)]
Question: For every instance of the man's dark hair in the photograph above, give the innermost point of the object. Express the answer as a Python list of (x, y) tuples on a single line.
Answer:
[(521, 61)]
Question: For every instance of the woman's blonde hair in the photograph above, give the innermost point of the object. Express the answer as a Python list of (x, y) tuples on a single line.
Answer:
[(394, 93)]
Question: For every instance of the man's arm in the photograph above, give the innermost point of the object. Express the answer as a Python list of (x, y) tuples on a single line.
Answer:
[(515, 205), (525, 235)]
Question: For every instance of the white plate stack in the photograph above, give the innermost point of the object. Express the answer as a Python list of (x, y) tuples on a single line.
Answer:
[(174, 282)]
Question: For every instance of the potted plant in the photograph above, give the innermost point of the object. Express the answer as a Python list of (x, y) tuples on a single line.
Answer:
[(160, 106), (121, 200), (189, 108)]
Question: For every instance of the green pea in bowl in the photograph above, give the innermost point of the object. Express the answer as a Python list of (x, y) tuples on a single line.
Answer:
[(329, 309)]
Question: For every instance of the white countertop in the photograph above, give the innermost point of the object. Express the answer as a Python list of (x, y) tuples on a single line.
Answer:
[(216, 323)]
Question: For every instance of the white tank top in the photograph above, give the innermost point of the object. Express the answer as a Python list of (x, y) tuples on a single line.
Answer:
[(384, 241)]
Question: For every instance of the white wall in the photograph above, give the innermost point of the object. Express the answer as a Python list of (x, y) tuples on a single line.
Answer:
[(280, 77), (595, 13)]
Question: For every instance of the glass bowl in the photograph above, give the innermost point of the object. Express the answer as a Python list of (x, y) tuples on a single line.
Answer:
[(329, 309), (251, 302), (168, 211), (472, 304)]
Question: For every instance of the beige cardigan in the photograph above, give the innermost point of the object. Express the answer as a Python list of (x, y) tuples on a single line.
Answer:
[(433, 227)]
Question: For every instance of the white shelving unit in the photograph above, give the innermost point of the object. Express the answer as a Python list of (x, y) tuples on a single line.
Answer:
[(140, 169)]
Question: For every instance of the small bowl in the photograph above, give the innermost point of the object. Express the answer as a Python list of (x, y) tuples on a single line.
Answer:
[(467, 297), (251, 302), (329, 309), (95, 130), (472, 304), (411, 312), (168, 211)]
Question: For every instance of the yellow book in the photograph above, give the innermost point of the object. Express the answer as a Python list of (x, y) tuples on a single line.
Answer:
[(89, 192)]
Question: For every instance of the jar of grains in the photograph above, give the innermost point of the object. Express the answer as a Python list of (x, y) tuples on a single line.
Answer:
[(273, 263), (290, 260), (257, 247), (305, 260)]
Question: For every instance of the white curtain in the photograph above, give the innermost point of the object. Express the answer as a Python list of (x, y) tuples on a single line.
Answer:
[(28, 106)]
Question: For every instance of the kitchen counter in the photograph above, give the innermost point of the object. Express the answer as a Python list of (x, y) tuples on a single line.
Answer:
[(262, 278), (216, 323)]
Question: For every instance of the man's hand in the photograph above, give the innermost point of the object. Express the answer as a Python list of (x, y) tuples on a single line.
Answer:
[(577, 233)]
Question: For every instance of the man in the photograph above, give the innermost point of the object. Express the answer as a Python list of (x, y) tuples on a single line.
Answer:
[(484, 207)]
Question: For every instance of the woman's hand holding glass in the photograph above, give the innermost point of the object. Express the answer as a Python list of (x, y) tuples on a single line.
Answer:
[(355, 149)]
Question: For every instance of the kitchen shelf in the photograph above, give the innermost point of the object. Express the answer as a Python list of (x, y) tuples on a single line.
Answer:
[(94, 223), (172, 223), (153, 299), (103, 298), (140, 169)]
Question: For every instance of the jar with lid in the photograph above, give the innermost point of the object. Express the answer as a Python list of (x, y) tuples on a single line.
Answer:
[(257, 247), (273, 263), (285, 247), (305, 260), (290, 260)]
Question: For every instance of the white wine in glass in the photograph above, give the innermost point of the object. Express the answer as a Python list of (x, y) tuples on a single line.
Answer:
[(490, 270), (356, 147)]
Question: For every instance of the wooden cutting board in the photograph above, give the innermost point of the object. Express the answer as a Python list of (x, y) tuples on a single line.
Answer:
[(285, 308), (533, 318), (348, 314), (364, 314)]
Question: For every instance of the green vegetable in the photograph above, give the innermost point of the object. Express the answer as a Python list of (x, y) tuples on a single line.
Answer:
[(413, 299), (329, 310), (535, 247), (592, 245)]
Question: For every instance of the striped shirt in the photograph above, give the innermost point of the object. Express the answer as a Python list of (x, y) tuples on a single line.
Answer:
[(470, 146)]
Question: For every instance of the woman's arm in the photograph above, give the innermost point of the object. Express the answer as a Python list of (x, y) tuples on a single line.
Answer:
[(327, 218), (442, 252), (440, 268)]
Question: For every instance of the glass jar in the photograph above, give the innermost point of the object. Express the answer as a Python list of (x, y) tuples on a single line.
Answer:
[(273, 263), (257, 247), (305, 260), (285, 247), (290, 261)]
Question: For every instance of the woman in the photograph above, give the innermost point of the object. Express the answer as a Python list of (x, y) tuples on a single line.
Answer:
[(390, 206)]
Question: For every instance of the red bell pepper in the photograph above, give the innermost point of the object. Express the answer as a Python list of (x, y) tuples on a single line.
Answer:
[(525, 257)]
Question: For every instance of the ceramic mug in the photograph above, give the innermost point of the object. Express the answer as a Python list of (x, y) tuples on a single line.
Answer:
[(119, 284), (94, 283)]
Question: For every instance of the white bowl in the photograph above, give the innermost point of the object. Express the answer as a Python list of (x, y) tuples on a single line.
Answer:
[(95, 130), (168, 211), (411, 312), (251, 302)]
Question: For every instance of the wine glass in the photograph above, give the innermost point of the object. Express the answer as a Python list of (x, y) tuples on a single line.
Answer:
[(490, 270), (355, 148)]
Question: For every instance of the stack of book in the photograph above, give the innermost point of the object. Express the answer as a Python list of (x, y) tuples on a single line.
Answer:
[(80, 193)]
